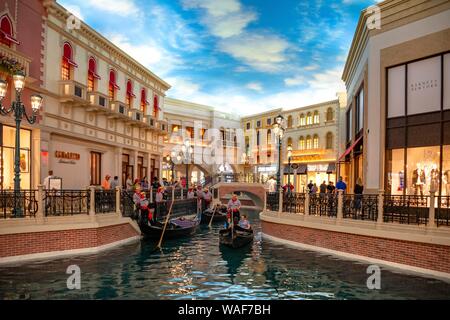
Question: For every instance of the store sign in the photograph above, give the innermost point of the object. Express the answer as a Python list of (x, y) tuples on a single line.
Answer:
[(317, 167), (67, 157), (267, 169)]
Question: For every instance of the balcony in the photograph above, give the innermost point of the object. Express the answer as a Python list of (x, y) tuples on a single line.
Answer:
[(149, 121), (23, 60), (98, 102), (119, 110), (137, 117), (72, 91), (162, 127)]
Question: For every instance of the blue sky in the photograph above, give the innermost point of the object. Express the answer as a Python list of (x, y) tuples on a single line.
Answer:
[(243, 56)]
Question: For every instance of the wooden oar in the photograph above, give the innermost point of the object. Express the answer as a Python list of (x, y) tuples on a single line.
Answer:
[(212, 217), (165, 224)]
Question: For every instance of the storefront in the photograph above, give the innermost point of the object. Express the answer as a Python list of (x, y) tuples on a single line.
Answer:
[(264, 172), (302, 174), (418, 127), (7, 156)]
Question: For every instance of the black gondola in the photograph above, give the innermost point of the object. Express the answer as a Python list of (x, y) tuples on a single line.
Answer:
[(179, 227), (220, 215), (236, 237)]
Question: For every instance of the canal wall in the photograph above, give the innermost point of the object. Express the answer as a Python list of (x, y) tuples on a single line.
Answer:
[(30, 239), (412, 248)]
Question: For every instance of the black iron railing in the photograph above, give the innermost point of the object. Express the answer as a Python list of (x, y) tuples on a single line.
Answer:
[(127, 206), (294, 202), (443, 211), (66, 202), (27, 203), (180, 208), (272, 201), (409, 209), (360, 207), (105, 201), (323, 205)]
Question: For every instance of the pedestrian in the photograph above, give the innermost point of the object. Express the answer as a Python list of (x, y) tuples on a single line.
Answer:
[(136, 184), (314, 189), (160, 203), (358, 191), (144, 183), (310, 185), (331, 188), (105, 183), (129, 183), (114, 183), (341, 185), (323, 188), (47, 179), (155, 183), (190, 193)]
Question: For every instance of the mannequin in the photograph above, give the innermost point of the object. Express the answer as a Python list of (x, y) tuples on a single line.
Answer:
[(447, 182), (434, 177), (418, 179)]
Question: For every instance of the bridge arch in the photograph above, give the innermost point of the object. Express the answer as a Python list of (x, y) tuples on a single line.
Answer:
[(256, 192)]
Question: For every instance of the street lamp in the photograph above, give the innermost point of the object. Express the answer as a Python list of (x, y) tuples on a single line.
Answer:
[(279, 132), (186, 153), (289, 155), (172, 166), (18, 108)]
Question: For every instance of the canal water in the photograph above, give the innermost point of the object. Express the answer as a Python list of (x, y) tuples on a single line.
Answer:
[(197, 268)]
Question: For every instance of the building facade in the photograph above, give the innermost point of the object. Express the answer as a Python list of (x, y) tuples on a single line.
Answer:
[(398, 86)]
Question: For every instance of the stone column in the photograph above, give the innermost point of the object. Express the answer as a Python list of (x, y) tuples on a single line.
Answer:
[(135, 164), (92, 202), (380, 207), (118, 189), (432, 212), (151, 194), (340, 203), (306, 204), (40, 208), (118, 164), (280, 201)]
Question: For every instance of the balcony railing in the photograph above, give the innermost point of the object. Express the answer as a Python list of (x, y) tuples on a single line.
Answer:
[(360, 207), (294, 202), (409, 209), (98, 101), (105, 201), (443, 211), (26, 200), (73, 91), (323, 205), (272, 201), (66, 202)]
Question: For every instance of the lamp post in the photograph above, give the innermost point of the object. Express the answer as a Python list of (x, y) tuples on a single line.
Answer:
[(18, 108), (279, 132), (186, 153), (172, 166), (289, 155)]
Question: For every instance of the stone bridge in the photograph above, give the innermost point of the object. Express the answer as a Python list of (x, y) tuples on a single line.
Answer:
[(255, 191)]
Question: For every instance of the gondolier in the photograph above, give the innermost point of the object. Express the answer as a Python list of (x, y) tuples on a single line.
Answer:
[(207, 198), (234, 207)]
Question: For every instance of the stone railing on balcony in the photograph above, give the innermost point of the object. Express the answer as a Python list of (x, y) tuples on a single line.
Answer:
[(19, 57), (137, 117), (98, 101), (119, 109), (149, 121), (72, 91), (162, 127)]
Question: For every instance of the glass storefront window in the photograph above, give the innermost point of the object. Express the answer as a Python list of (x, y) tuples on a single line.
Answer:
[(446, 170), (422, 170), (395, 172)]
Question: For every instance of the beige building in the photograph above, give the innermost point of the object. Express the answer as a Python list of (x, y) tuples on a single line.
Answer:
[(103, 110), (398, 85)]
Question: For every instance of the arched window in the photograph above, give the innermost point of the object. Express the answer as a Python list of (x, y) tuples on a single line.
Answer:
[(308, 143), (316, 142), (301, 143), (67, 62), (6, 31), (316, 117), (269, 138), (112, 85), (302, 120), (155, 106), (330, 114), (290, 141), (289, 122), (130, 95), (144, 102), (308, 119), (92, 75), (329, 144)]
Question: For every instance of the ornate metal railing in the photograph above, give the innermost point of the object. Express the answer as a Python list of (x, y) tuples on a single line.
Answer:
[(127, 206), (27, 203), (443, 211), (105, 201), (180, 208), (409, 209), (238, 177), (66, 202), (323, 205), (272, 201), (294, 202), (360, 207)]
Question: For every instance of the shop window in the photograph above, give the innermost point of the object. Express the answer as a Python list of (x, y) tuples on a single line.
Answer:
[(446, 170), (309, 119), (308, 143), (422, 169), (190, 132), (96, 168), (395, 182), (6, 31), (316, 117), (112, 85), (329, 144), (302, 120), (359, 112), (289, 122), (301, 143), (316, 142), (330, 114)]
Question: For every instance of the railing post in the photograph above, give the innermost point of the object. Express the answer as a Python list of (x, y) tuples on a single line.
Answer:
[(40, 200), (432, 212), (340, 212), (280, 201), (265, 201), (92, 202), (306, 204), (118, 200), (151, 194), (380, 207), (182, 193), (173, 193)]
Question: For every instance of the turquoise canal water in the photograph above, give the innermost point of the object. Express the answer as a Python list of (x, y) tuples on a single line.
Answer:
[(196, 268)]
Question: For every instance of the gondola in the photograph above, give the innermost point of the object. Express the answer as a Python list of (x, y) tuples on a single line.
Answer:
[(220, 215), (176, 228), (236, 237)]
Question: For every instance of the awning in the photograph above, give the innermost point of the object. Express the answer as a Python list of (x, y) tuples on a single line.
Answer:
[(302, 168), (287, 171), (350, 148), (331, 167), (9, 37), (73, 63)]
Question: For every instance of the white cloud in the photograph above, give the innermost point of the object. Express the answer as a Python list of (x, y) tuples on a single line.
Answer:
[(312, 67), (262, 52), (119, 7), (229, 26), (295, 81), (256, 86), (214, 7), (182, 87), (75, 10)]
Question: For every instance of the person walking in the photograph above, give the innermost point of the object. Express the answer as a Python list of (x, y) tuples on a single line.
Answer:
[(129, 183), (341, 185), (114, 183), (47, 179), (323, 189), (314, 189), (310, 185), (105, 183), (331, 188), (358, 191)]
